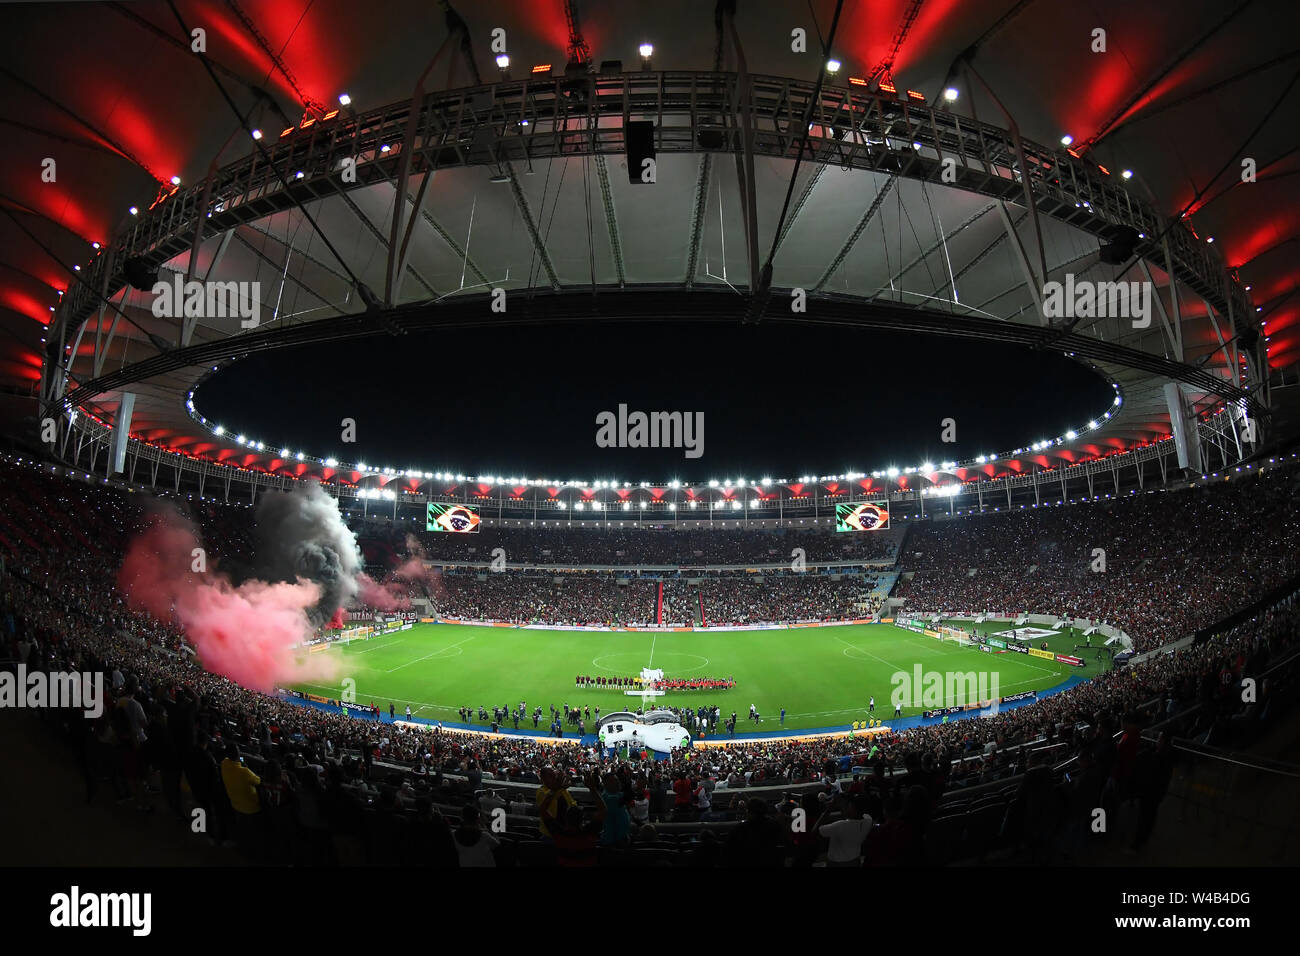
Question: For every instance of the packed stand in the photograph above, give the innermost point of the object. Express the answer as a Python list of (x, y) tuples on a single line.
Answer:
[(316, 787), (1174, 562), (690, 547)]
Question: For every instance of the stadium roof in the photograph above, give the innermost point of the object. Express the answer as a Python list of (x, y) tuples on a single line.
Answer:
[(531, 192)]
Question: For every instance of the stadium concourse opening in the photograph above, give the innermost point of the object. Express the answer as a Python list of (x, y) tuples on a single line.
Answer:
[(744, 434)]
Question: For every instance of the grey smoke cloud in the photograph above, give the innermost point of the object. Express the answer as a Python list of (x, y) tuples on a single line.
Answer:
[(301, 534)]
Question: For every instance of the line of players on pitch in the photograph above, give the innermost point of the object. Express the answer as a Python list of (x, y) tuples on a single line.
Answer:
[(635, 683)]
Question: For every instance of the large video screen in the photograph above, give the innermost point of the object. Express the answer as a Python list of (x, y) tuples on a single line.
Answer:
[(458, 519), (868, 516)]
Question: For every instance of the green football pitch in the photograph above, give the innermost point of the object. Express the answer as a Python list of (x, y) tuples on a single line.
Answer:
[(821, 676)]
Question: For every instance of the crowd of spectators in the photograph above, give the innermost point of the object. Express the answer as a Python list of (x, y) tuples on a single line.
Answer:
[(681, 603), (289, 782), (580, 599), (789, 597), (1158, 566), (293, 783), (602, 598), (687, 547)]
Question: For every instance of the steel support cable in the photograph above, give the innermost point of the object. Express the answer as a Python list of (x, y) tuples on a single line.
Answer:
[(366, 294), (763, 293), (108, 140), (586, 195), (76, 276), (1181, 58), (803, 133), (1231, 160), (1174, 104), (546, 190), (276, 62), (886, 65)]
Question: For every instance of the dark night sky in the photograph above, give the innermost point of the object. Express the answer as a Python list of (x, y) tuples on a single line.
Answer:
[(778, 401)]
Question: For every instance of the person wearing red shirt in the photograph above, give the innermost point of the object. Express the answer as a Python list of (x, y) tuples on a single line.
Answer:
[(682, 792)]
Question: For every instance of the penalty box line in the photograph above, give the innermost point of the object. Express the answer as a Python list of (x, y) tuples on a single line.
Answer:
[(1029, 662), (868, 653), (897, 668), (433, 654)]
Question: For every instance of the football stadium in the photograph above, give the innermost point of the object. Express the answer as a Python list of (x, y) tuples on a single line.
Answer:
[(549, 433)]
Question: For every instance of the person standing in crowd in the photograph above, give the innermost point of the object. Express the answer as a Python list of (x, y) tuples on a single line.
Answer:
[(241, 789), (846, 834), (474, 846), (553, 798), (618, 820)]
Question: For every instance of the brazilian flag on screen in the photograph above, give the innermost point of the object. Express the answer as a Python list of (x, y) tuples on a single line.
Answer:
[(456, 519), (867, 516)]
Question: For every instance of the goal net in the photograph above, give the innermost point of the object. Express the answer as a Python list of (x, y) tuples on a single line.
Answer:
[(955, 634)]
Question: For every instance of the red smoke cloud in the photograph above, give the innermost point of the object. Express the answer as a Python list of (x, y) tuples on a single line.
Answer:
[(389, 596), (247, 632), (393, 594)]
